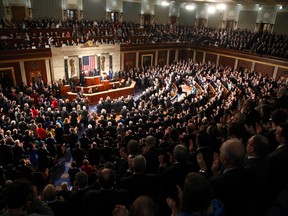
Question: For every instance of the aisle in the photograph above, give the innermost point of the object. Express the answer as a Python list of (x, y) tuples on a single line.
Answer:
[(59, 174)]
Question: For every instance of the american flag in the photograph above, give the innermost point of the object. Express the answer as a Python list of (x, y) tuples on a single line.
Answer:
[(88, 63)]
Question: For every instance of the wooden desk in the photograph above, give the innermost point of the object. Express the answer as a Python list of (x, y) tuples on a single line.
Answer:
[(100, 87), (90, 81), (64, 89), (105, 82), (112, 93)]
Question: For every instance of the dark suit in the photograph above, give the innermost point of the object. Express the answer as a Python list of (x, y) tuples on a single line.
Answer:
[(278, 176), (102, 202), (258, 169), (76, 203), (234, 189), (141, 184), (152, 161), (173, 176)]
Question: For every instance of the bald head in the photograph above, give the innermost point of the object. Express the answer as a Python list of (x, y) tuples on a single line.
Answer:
[(232, 153)]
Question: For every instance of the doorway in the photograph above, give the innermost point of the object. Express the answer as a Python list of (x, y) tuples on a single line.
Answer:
[(72, 14), (229, 24), (7, 77), (264, 27), (18, 13)]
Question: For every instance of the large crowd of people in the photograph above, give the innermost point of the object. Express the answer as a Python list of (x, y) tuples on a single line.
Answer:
[(44, 33), (196, 152)]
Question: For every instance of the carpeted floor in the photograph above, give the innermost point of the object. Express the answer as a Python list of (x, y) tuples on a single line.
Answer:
[(60, 173)]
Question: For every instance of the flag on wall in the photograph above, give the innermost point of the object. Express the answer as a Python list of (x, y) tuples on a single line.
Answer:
[(88, 63)]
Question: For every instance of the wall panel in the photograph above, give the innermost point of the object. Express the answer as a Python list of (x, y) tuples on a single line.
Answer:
[(10, 68), (282, 72), (264, 69), (161, 14), (215, 20), (247, 20), (94, 10), (281, 24), (171, 56), (46, 8), (145, 57), (226, 61), (32, 68), (212, 58), (131, 11), (199, 56), (242, 65), (129, 60), (1, 9), (162, 58), (187, 17)]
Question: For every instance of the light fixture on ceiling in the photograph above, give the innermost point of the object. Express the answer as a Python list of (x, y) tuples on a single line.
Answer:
[(165, 3), (221, 7), (260, 7), (190, 7), (280, 7), (211, 9)]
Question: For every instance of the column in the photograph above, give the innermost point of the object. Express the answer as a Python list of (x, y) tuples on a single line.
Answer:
[(217, 60), (98, 62), (194, 56), (176, 55), (48, 71), (23, 73), (236, 64), (156, 58), (168, 57), (275, 72), (80, 64), (137, 59), (253, 66), (110, 61), (204, 57), (66, 67)]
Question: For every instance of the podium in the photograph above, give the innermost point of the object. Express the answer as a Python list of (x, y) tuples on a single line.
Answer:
[(90, 81)]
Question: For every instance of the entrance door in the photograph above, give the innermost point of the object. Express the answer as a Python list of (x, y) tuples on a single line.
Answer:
[(115, 16), (202, 22), (18, 13), (264, 27), (72, 14), (7, 78), (147, 19), (230, 24), (173, 20)]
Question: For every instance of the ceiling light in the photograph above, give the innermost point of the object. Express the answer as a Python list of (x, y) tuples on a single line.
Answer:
[(190, 7), (211, 9), (165, 3), (221, 6)]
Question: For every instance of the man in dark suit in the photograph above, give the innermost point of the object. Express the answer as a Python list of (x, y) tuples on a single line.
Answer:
[(174, 175), (103, 201), (233, 187), (278, 161), (75, 201), (151, 154), (257, 149), (140, 183)]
